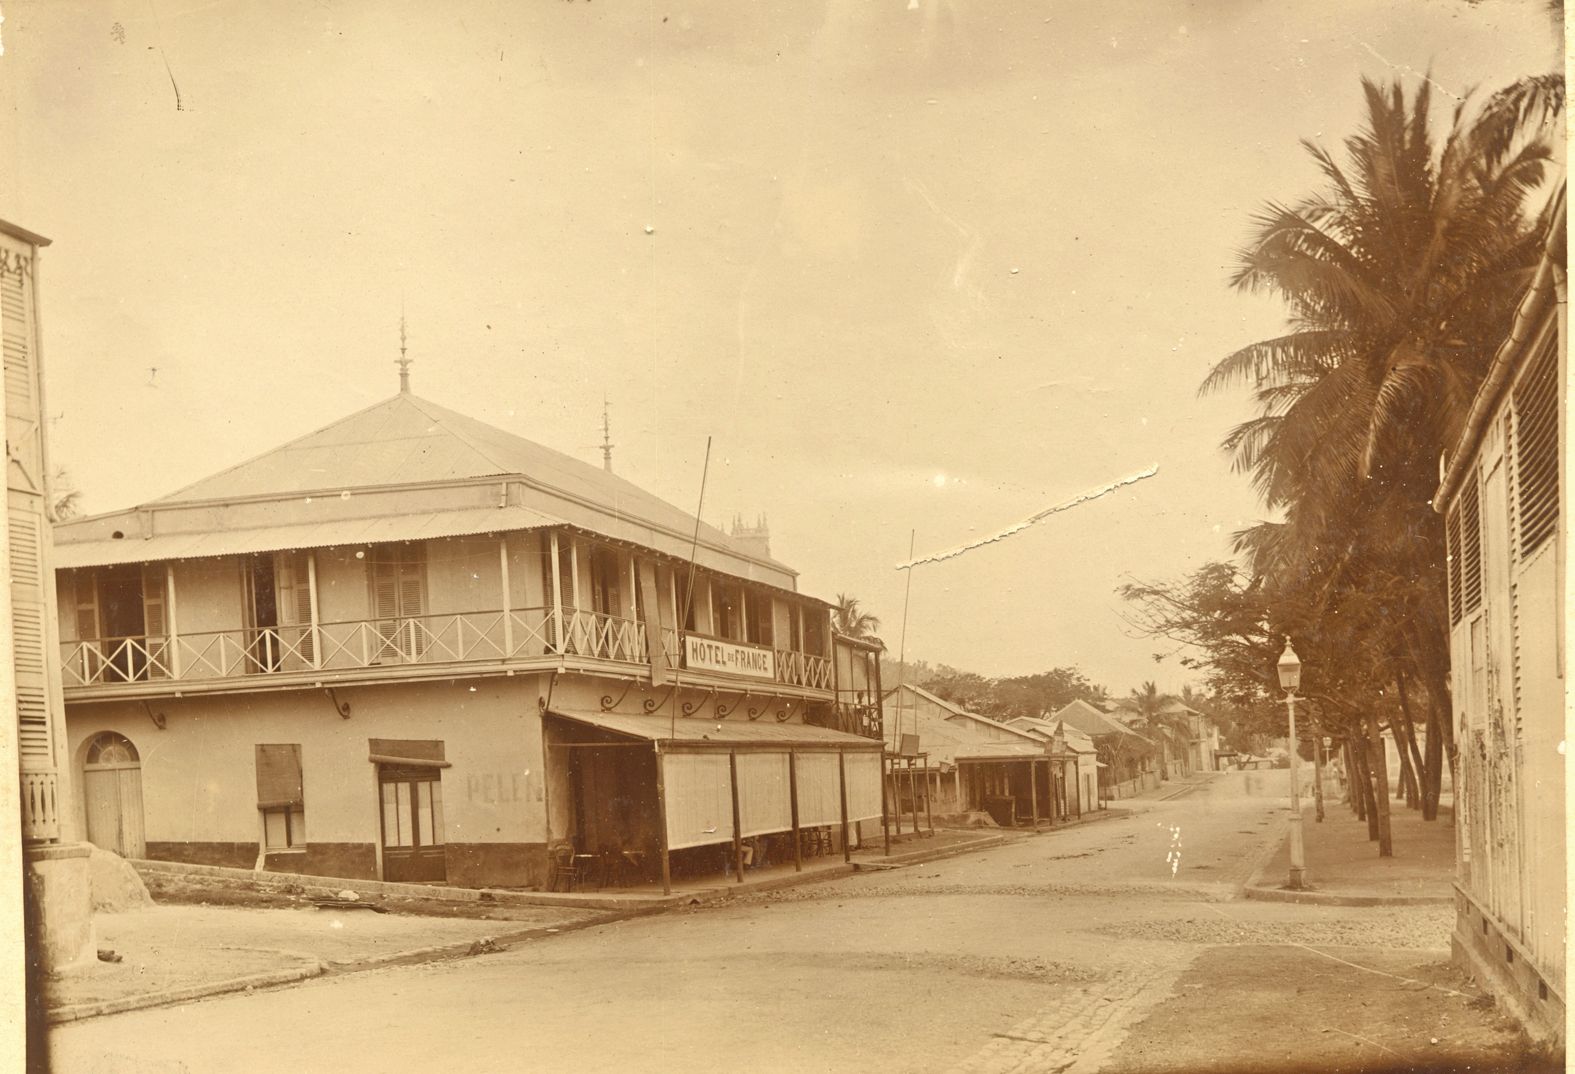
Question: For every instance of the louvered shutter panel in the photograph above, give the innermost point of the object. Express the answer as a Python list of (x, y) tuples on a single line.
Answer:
[(293, 584), (412, 600), (1452, 544), (28, 635), (154, 627), (1470, 545), (1535, 398)]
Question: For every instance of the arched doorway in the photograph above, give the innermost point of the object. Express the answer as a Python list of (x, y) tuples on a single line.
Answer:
[(112, 791)]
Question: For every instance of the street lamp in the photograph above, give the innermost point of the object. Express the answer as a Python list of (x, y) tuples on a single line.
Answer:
[(1290, 668)]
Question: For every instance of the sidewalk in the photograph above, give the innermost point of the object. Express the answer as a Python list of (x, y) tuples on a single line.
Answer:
[(1344, 868)]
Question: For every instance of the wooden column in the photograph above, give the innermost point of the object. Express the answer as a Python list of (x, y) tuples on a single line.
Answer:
[(508, 614), (1033, 790), (929, 820), (557, 605), (169, 614), (738, 838), (842, 786), (885, 807), (661, 802), (311, 596), (798, 850), (574, 589), (913, 792)]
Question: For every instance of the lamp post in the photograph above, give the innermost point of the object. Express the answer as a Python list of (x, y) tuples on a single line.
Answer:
[(1290, 668)]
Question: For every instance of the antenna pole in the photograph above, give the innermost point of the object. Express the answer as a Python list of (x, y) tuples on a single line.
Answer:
[(902, 643), (607, 444), (689, 584)]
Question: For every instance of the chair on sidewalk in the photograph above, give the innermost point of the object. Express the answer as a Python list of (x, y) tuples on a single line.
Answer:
[(564, 867)]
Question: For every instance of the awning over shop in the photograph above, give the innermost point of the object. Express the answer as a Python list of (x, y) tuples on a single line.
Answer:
[(706, 763), (685, 733)]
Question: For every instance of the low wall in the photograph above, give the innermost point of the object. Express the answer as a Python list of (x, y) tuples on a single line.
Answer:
[(1502, 967)]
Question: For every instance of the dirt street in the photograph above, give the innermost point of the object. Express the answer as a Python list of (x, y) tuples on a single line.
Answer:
[(1115, 946)]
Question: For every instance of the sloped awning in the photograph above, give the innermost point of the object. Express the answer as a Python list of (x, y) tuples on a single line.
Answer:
[(328, 533), (695, 733)]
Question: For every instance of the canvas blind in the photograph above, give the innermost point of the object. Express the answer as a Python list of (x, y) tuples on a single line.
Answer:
[(279, 775), (699, 793), (764, 801), (819, 789), (864, 778)]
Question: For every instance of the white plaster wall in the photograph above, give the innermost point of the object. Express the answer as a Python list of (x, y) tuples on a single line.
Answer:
[(199, 779)]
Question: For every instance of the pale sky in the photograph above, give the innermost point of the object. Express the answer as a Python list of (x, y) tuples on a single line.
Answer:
[(913, 264)]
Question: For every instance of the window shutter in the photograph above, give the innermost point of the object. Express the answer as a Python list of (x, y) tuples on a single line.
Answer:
[(26, 536), (18, 359), (1535, 398), (1470, 545), (153, 600), (85, 583), (1452, 544), (279, 775), (293, 586)]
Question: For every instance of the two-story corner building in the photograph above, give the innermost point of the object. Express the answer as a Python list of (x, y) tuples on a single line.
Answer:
[(1504, 495), (411, 646)]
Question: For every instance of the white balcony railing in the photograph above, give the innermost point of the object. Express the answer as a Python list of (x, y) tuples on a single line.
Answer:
[(462, 637)]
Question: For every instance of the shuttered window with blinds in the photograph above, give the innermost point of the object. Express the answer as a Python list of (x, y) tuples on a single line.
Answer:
[(1452, 544), (1470, 545), (27, 631), (1537, 449), (398, 583)]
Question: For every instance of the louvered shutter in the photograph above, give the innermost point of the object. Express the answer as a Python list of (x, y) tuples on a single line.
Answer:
[(1470, 545), (293, 586), (155, 628), (1452, 544), (1535, 398), (28, 635)]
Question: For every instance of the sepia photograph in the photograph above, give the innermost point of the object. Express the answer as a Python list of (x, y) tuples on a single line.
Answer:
[(956, 536)]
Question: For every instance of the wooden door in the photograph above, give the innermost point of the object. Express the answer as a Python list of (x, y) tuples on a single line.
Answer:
[(112, 792), (412, 822)]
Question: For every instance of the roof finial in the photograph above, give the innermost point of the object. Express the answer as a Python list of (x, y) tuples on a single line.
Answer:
[(403, 362), (607, 444)]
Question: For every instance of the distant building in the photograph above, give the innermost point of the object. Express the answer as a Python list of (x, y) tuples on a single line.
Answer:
[(1503, 497), (411, 646), (1130, 759), (973, 764)]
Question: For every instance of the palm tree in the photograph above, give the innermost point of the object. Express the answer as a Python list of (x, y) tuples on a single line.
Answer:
[(849, 621), (1167, 730), (1400, 278)]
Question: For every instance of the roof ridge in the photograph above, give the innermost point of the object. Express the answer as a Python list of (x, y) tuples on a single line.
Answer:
[(270, 451), (426, 406)]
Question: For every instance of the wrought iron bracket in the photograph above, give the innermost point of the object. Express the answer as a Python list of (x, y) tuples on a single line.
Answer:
[(724, 711), (341, 707), (607, 702), (158, 718), (690, 708), (650, 704)]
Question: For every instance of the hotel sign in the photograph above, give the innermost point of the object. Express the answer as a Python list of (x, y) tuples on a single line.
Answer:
[(703, 654)]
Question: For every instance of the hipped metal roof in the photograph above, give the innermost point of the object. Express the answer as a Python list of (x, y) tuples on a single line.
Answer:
[(407, 443), (698, 732)]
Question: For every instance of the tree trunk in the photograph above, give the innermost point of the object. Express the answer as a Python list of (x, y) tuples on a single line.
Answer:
[(1428, 771), (1406, 786), (1353, 780), (1386, 844), (1318, 770), (1434, 787), (1361, 751)]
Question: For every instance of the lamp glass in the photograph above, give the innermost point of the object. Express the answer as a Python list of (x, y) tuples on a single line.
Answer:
[(1290, 667)]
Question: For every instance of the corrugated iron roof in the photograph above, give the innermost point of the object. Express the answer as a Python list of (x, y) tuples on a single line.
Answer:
[(693, 730), (408, 441), (350, 531)]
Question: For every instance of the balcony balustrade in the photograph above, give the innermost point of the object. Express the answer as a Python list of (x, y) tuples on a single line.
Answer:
[(40, 807), (516, 636), (462, 637)]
